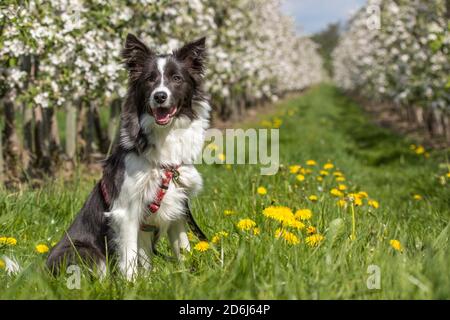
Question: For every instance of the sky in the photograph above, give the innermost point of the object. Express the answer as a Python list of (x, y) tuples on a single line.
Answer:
[(314, 15)]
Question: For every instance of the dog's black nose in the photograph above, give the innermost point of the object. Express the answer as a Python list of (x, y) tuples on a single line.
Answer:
[(160, 97)]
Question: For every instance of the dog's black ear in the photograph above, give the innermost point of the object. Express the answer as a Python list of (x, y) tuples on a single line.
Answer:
[(194, 56), (134, 54)]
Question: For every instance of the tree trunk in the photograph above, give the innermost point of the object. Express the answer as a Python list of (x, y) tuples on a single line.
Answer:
[(71, 131), (41, 142), (102, 135), (2, 162), (113, 125), (27, 154), (53, 130), (82, 131), (11, 140)]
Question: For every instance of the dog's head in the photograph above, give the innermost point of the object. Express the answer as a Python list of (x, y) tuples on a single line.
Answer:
[(164, 86)]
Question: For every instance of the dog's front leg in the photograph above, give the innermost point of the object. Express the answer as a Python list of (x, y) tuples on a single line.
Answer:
[(178, 238), (126, 226)]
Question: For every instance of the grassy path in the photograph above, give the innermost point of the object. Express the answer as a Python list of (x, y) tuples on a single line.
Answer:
[(321, 125)]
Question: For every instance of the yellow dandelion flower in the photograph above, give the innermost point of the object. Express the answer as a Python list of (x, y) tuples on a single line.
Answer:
[(266, 123), (278, 213), (292, 223), (303, 214), (41, 248), (340, 179), (363, 194), (215, 239), (342, 187), (373, 203), (319, 179), (261, 190), (420, 150), (221, 157), (314, 240), (323, 173), (311, 163), (202, 246), (294, 169), (355, 198), (191, 236), (246, 224), (229, 212), (335, 192), (277, 122), (8, 241), (338, 174), (219, 236), (256, 231), (311, 230), (289, 237), (2, 264), (417, 197), (341, 203), (300, 177), (313, 198), (328, 166), (448, 175), (396, 245)]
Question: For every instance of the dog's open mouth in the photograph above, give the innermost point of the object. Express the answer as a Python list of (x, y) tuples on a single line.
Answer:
[(163, 115)]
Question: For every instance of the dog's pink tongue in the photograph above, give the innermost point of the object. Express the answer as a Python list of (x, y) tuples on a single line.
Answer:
[(163, 115)]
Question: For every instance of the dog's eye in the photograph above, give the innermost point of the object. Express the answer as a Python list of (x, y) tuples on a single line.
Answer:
[(176, 78)]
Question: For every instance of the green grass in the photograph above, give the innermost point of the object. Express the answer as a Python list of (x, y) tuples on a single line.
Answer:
[(322, 125)]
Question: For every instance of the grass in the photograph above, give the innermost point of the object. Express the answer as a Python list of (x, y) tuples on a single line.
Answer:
[(322, 125)]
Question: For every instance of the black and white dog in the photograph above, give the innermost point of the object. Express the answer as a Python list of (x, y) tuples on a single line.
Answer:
[(149, 177)]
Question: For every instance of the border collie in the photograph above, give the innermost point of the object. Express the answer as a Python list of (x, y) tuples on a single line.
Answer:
[(149, 177)]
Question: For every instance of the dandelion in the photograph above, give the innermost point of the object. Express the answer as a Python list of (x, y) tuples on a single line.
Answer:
[(313, 198), (289, 237), (229, 212), (191, 236), (277, 122), (261, 190), (319, 179), (303, 214), (42, 248), (246, 224), (362, 194), (278, 213), (355, 198), (256, 231), (323, 173), (311, 163), (340, 179), (417, 197), (292, 223), (420, 150), (374, 204), (311, 230), (221, 157), (338, 174), (294, 169), (8, 241), (335, 192), (266, 123), (219, 236), (314, 240), (202, 246), (342, 187), (300, 177), (342, 203), (396, 245), (448, 175), (328, 166)]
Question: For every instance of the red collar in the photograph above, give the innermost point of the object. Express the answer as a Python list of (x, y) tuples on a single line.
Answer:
[(169, 173)]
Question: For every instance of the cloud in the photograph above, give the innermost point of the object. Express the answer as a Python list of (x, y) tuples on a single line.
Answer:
[(314, 15)]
